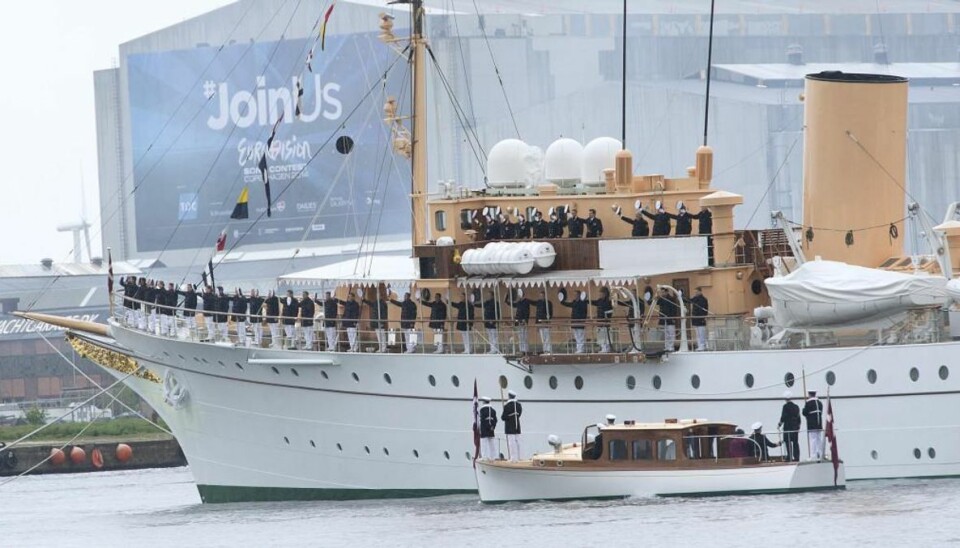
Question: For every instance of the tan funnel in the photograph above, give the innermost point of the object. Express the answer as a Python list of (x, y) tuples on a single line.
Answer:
[(854, 165)]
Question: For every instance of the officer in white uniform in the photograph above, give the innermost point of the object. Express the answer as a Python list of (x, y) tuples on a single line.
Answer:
[(511, 424)]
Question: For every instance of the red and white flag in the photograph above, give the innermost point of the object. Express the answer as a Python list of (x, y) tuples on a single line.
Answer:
[(476, 424), (222, 241), (832, 437)]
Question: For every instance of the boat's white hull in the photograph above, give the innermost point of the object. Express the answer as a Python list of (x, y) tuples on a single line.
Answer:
[(343, 430), (503, 483)]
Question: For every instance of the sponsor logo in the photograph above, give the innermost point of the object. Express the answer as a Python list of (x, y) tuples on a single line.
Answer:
[(318, 227), (188, 207), (242, 108), (339, 201), (19, 326), (293, 229), (306, 206), (281, 205)]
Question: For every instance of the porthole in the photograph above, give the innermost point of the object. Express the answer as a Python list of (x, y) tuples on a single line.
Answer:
[(196, 359), (386, 451), (503, 381), (367, 449), (240, 367), (220, 362), (748, 380), (578, 382), (416, 454), (294, 371), (204, 360), (916, 453), (756, 286), (165, 353), (871, 376), (455, 380), (695, 381), (657, 382), (944, 372), (631, 382), (287, 440), (274, 369), (356, 377), (789, 379), (874, 454), (324, 374), (553, 383), (432, 380), (914, 374), (339, 448), (387, 379), (313, 443), (831, 378), (931, 452), (181, 357), (446, 455), (528, 382)]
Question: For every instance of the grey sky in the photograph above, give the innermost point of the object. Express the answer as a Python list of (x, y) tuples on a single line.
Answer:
[(49, 51)]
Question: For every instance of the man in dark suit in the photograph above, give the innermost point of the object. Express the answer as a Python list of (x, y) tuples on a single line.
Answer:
[(271, 306), (699, 309), (378, 318), (594, 225), (408, 318), (790, 424), (290, 309), (465, 315), (307, 312)]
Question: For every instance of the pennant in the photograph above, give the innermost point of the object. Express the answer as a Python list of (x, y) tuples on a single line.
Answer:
[(273, 132), (310, 59), (109, 273), (832, 437), (241, 210), (476, 424), (204, 276), (266, 188), (213, 282), (299, 104), (323, 29), (222, 241), (266, 179)]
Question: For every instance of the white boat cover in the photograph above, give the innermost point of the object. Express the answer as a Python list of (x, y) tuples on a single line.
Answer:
[(829, 293)]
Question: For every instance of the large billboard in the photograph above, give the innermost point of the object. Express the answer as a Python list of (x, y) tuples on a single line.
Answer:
[(200, 119)]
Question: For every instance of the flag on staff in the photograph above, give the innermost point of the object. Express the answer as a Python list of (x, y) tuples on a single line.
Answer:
[(832, 437), (266, 180), (310, 60), (213, 282), (299, 99), (273, 131), (241, 210), (476, 424), (109, 273), (222, 240), (323, 29)]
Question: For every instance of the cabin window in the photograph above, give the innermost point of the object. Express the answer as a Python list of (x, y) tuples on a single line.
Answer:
[(642, 449), (691, 445), (440, 220), (666, 450), (466, 219), (618, 450)]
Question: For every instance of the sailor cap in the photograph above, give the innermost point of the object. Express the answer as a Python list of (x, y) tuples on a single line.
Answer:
[(787, 394), (757, 425), (511, 393), (611, 418), (485, 399)]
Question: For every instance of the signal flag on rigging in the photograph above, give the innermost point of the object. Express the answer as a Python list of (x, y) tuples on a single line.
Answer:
[(241, 210), (323, 29), (222, 241)]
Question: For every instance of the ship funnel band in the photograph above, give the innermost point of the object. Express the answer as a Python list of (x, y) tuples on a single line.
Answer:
[(856, 77)]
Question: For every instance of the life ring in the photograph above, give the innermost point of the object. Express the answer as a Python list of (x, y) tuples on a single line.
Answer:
[(174, 392), (9, 460), (96, 458)]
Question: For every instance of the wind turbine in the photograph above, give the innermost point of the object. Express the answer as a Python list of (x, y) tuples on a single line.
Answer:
[(79, 226)]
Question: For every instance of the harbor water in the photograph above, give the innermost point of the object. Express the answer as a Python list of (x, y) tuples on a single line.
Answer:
[(161, 507)]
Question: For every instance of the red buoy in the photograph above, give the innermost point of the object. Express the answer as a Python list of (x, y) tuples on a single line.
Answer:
[(124, 452), (57, 457), (78, 455), (96, 458)]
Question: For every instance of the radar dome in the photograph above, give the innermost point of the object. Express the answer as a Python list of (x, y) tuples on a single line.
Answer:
[(561, 163), (598, 155), (506, 164)]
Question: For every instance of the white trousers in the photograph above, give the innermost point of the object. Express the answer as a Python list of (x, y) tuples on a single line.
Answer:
[(669, 337), (492, 337), (465, 336), (488, 448), (191, 322), (331, 335), (288, 330), (513, 446), (141, 320), (545, 339), (522, 338), (257, 333), (381, 339), (130, 317), (411, 341), (308, 337), (701, 337), (241, 326), (438, 341), (580, 337), (352, 337), (815, 439), (224, 331), (274, 334), (152, 325), (603, 337)]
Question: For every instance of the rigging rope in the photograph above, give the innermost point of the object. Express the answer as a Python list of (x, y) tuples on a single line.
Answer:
[(496, 69)]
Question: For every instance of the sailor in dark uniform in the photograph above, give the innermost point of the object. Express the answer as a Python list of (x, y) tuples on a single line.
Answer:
[(408, 317), (511, 424), (350, 319), (491, 317), (661, 221), (684, 220), (465, 316), (790, 424), (813, 412), (705, 228), (487, 417), (699, 309), (522, 228), (438, 321), (308, 310), (239, 305), (604, 312), (220, 317), (555, 226), (209, 312), (540, 228), (190, 308), (544, 315), (521, 317), (168, 312), (290, 309), (378, 319), (139, 306), (256, 316), (578, 318), (758, 449), (508, 229), (331, 309), (574, 225), (129, 293), (640, 226), (150, 305), (493, 229), (594, 225), (271, 306), (669, 311)]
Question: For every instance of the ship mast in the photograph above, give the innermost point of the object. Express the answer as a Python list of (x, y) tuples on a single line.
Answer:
[(419, 144)]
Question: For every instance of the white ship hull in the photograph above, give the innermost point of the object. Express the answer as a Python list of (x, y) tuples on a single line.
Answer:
[(344, 431), (500, 482)]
